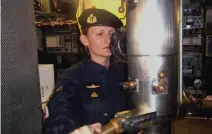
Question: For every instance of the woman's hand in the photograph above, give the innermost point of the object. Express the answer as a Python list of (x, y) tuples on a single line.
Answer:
[(95, 128), (89, 129)]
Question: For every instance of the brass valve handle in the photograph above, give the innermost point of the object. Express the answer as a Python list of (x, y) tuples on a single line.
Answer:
[(129, 85)]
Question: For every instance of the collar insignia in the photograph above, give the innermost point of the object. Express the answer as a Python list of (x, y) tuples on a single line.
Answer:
[(93, 86), (59, 89), (94, 95), (91, 19)]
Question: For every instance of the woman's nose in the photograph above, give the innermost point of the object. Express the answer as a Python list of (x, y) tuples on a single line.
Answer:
[(107, 39)]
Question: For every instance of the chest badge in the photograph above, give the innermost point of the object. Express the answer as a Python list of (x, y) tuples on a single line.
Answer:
[(92, 86), (94, 95)]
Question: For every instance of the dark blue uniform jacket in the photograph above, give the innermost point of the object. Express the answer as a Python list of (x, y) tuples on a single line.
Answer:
[(88, 93)]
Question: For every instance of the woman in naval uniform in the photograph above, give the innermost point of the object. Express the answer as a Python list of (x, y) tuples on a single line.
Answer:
[(88, 93)]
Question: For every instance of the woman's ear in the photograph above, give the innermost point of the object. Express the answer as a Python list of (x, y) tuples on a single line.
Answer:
[(84, 40)]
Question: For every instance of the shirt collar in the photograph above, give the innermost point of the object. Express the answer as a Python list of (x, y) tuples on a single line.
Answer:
[(92, 65)]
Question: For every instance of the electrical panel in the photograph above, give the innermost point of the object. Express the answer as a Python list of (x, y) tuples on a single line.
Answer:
[(62, 40), (192, 64), (193, 18), (193, 46)]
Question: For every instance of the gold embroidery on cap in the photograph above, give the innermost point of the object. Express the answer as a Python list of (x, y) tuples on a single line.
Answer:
[(91, 19)]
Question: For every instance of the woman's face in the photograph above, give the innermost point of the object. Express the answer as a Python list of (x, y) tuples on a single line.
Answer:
[(97, 40)]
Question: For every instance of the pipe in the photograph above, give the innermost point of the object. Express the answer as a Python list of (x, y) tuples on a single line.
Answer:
[(130, 122), (108, 129), (113, 127)]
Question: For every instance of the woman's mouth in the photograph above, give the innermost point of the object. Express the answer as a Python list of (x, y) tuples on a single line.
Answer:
[(106, 48)]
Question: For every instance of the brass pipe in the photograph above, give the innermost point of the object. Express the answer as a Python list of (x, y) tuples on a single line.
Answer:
[(112, 127), (108, 129)]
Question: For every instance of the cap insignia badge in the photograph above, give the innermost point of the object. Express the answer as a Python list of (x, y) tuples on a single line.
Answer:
[(91, 19)]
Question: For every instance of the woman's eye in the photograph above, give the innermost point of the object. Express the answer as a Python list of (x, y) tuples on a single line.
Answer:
[(112, 32), (99, 34)]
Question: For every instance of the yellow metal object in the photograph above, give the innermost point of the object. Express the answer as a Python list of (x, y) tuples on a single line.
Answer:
[(131, 84), (115, 121), (125, 114), (161, 86), (188, 98), (161, 75)]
